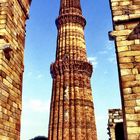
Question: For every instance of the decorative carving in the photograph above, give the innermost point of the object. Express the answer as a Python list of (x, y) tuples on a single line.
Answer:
[(81, 102), (66, 115), (66, 93), (59, 67), (67, 18)]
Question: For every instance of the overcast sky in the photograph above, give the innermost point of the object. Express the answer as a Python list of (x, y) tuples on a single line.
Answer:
[(40, 53)]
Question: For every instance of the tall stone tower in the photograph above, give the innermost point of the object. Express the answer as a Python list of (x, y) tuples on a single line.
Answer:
[(13, 14), (126, 23), (72, 110)]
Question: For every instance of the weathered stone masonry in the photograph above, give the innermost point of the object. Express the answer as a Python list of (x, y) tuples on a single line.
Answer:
[(72, 111), (126, 23), (115, 124), (13, 14)]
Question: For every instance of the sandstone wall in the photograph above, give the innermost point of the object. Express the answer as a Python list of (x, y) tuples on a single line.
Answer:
[(126, 23), (115, 117), (13, 14)]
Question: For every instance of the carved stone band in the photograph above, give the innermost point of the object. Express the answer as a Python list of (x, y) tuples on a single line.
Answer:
[(70, 18), (59, 67)]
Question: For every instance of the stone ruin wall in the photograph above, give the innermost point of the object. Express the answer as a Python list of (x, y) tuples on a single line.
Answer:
[(126, 23), (115, 117), (13, 14)]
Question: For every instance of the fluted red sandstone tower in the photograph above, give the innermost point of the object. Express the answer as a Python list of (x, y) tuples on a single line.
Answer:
[(13, 14), (72, 111)]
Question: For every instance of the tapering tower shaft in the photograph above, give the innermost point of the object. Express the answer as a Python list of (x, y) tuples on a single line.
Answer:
[(72, 111)]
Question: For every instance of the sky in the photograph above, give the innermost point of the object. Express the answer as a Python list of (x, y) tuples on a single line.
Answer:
[(40, 49)]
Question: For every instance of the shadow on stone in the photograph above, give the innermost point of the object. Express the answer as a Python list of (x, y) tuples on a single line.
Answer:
[(119, 132), (135, 34)]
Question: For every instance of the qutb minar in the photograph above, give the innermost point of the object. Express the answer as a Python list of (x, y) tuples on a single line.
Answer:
[(72, 111)]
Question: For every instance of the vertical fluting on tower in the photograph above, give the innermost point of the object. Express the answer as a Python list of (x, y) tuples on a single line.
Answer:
[(72, 110)]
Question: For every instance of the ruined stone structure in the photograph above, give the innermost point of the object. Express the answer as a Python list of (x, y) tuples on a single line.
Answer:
[(13, 14), (72, 111), (126, 24), (115, 124)]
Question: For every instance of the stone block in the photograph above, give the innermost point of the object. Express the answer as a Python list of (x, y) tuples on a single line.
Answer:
[(135, 71), (121, 17), (126, 60), (138, 77), (138, 102), (137, 58), (133, 130), (127, 91), (135, 47), (129, 53), (131, 117), (137, 41), (126, 78), (137, 109), (136, 2), (126, 72), (6, 94), (122, 33), (122, 3), (128, 97), (120, 27), (130, 103), (126, 66), (129, 110), (132, 123), (133, 136), (136, 89), (123, 49)]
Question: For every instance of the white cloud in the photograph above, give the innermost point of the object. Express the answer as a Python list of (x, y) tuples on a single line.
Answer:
[(35, 113), (108, 52), (103, 52), (105, 72), (39, 76), (29, 74), (112, 58), (93, 60), (100, 118), (37, 105), (109, 46), (36, 75)]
